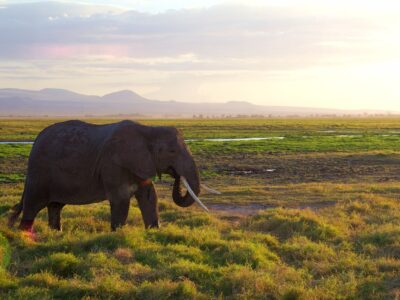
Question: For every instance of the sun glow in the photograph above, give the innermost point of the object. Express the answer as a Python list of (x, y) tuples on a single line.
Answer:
[(298, 53)]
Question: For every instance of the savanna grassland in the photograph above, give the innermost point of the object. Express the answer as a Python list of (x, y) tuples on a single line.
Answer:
[(329, 227)]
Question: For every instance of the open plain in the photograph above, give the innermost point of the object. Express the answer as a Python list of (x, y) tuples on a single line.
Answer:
[(310, 211)]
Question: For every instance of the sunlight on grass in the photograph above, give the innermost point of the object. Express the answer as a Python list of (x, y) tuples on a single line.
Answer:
[(331, 230)]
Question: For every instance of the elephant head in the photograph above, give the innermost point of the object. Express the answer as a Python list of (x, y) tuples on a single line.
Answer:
[(172, 156), (145, 151)]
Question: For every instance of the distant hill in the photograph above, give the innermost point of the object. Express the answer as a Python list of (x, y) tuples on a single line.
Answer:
[(60, 102)]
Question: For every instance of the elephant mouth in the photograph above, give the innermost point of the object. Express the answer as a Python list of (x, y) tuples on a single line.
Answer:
[(172, 172), (189, 196)]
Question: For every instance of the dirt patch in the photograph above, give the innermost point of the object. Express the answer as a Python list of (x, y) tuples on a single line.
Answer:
[(254, 208), (308, 167)]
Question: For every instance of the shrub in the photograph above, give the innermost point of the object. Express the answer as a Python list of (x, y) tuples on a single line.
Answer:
[(32, 293), (241, 253), (97, 264), (63, 264), (70, 288), (317, 258), (110, 241), (288, 223), (140, 273), (6, 282), (167, 289), (124, 255), (172, 234), (241, 282), (384, 241), (113, 287), (299, 249), (195, 221), (5, 252), (201, 274)]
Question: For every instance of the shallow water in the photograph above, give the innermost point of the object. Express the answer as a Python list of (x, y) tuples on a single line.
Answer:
[(348, 135), (237, 139), (15, 143), (188, 140), (227, 139)]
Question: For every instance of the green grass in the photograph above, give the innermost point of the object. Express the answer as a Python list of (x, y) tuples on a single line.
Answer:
[(296, 144), (347, 246), (27, 129), (277, 254)]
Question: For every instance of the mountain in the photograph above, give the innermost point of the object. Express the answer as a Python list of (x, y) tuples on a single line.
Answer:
[(124, 96), (60, 102)]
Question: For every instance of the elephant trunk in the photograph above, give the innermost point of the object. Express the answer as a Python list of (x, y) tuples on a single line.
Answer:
[(193, 180)]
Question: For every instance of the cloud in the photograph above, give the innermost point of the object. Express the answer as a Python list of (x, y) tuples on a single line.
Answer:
[(282, 54), (238, 35)]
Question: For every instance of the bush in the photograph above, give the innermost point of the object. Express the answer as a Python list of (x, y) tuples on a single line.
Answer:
[(288, 223), (241, 282), (70, 288), (6, 282), (384, 242), (167, 289), (62, 264), (299, 249), (5, 252), (201, 274), (243, 253)]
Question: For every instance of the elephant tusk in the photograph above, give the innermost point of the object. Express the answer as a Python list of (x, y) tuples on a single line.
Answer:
[(189, 189), (210, 190)]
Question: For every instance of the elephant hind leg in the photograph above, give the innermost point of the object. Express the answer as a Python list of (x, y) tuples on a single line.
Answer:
[(16, 211), (29, 212), (54, 215)]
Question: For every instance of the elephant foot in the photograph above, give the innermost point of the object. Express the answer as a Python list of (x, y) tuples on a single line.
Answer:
[(27, 228), (56, 227), (116, 226), (155, 224), (26, 225)]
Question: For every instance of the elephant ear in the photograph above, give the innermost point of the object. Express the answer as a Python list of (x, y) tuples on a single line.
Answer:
[(129, 150)]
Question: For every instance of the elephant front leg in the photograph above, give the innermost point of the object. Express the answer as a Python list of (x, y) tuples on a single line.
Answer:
[(119, 212), (148, 203), (54, 214)]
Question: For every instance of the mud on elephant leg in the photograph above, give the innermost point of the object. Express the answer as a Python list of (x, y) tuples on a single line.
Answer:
[(30, 210), (148, 204), (119, 212), (54, 215)]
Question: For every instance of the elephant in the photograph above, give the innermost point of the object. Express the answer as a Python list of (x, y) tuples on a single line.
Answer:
[(74, 162)]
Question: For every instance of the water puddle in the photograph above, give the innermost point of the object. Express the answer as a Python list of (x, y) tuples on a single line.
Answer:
[(230, 139), (248, 172), (188, 140), (348, 135), (237, 139), (15, 143), (254, 208)]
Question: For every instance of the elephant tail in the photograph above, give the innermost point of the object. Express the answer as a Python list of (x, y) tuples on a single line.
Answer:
[(16, 211)]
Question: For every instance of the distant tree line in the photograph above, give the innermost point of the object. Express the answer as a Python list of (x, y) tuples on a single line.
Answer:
[(261, 116)]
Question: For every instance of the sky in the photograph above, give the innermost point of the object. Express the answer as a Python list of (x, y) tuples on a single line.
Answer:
[(337, 54)]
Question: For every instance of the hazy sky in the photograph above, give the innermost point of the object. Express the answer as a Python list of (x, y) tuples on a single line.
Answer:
[(339, 54)]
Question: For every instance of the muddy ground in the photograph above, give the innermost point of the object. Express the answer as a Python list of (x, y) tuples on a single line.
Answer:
[(303, 168)]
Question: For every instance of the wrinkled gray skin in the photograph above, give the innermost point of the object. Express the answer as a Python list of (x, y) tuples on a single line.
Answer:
[(75, 162)]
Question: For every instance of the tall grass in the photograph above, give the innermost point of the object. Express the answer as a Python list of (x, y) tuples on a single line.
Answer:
[(349, 249)]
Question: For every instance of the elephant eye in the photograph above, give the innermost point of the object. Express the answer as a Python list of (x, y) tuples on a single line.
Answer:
[(172, 151)]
